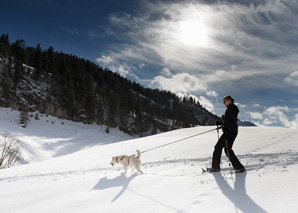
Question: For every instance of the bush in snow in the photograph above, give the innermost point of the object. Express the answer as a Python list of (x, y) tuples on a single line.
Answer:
[(9, 150)]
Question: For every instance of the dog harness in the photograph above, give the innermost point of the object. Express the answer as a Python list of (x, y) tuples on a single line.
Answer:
[(122, 158)]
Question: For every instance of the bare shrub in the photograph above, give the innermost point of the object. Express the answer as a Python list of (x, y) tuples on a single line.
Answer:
[(9, 150)]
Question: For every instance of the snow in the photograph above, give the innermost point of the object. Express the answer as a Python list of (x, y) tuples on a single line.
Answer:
[(70, 171)]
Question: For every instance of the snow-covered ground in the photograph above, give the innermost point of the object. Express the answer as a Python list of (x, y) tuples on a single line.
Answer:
[(70, 170)]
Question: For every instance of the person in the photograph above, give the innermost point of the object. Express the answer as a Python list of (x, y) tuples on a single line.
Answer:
[(226, 141)]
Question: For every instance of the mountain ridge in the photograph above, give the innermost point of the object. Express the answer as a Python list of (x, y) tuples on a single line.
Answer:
[(73, 88)]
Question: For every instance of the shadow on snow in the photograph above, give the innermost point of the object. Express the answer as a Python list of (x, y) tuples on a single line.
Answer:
[(238, 195)]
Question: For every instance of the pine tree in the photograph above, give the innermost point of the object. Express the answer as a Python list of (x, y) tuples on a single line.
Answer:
[(24, 118), (38, 60), (4, 45)]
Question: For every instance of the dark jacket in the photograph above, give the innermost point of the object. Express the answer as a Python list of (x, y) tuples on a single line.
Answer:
[(230, 119)]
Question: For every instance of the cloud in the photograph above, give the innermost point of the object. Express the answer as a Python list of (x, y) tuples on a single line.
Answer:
[(182, 82), (212, 94), (142, 65), (104, 60), (276, 115), (294, 122), (292, 79), (249, 46), (202, 100), (241, 105), (244, 40), (224, 76), (166, 72), (72, 31), (255, 115), (206, 103)]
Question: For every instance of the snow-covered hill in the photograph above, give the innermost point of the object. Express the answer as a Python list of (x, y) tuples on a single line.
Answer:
[(75, 177), (50, 137)]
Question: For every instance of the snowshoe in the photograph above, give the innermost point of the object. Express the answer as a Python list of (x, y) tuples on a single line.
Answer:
[(240, 170), (212, 170)]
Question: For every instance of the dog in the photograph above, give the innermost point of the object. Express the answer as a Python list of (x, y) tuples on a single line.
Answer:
[(126, 160)]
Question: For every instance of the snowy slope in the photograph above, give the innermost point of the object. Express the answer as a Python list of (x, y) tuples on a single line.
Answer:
[(83, 181), (52, 137)]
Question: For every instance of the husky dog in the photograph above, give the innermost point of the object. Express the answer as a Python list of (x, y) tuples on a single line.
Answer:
[(126, 160)]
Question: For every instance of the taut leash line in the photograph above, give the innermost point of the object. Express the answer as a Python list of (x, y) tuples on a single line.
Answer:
[(179, 140)]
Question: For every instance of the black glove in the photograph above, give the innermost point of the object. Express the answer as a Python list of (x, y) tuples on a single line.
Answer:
[(218, 123)]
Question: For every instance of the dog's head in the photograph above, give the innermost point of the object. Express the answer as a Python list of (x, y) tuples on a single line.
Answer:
[(113, 161)]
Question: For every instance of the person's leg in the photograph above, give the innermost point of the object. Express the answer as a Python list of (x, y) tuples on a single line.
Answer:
[(229, 151), (217, 152)]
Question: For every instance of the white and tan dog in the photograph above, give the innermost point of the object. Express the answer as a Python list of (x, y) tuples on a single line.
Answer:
[(126, 160)]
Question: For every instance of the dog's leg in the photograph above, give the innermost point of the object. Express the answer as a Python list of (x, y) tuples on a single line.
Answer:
[(138, 168), (125, 167), (141, 171)]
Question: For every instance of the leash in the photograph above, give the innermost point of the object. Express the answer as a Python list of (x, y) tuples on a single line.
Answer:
[(167, 144)]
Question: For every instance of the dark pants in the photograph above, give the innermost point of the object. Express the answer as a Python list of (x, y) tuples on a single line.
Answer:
[(225, 142)]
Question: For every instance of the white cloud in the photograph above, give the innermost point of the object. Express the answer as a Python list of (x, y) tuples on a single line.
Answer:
[(255, 115), (206, 103), (268, 122), (166, 72), (277, 114), (294, 122), (182, 82), (292, 79), (231, 75), (241, 105), (202, 100), (141, 66), (212, 94), (122, 70), (105, 60)]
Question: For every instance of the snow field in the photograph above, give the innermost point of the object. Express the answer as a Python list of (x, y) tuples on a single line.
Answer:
[(74, 174)]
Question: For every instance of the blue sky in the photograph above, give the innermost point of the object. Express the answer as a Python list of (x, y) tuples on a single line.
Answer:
[(206, 49)]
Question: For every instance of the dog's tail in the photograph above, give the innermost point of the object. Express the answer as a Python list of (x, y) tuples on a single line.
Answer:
[(139, 154)]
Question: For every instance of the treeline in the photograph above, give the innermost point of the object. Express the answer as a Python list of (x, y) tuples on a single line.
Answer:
[(73, 88)]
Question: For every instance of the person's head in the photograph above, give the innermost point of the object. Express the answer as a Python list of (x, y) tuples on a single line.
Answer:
[(227, 100)]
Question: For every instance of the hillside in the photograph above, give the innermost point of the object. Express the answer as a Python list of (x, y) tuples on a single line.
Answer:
[(173, 182), (68, 87)]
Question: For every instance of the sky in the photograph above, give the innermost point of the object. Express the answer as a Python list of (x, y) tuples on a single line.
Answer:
[(204, 49)]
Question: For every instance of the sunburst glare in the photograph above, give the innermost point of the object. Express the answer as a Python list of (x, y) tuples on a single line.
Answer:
[(193, 32)]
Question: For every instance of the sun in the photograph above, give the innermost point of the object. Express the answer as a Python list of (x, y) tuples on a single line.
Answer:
[(193, 32)]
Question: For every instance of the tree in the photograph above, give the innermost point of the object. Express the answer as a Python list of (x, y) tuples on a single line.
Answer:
[(18, 50), (10, 152), (4, 45), (24, 118), (51, 60), (38, 60), (112, 110)]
